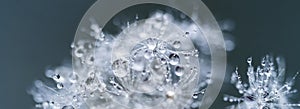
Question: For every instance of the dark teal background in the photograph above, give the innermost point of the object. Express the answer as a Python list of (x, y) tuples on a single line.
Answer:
[(36, 34)]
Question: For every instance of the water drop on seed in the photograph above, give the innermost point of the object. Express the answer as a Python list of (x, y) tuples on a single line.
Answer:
[(249, 60), (179, 70), (174, 59), (59, 85), (176, 44), (68, 107)]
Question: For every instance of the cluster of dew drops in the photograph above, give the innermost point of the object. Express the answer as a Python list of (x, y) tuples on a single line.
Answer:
[(123, 77), (266, 87)]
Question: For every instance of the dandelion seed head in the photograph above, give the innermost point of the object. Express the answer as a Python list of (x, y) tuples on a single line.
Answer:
[(265, 88), (152, 63)]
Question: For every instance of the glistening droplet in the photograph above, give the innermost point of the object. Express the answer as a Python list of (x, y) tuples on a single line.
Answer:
[(176, 44), (179, 70), (59, 85), (174, 59)]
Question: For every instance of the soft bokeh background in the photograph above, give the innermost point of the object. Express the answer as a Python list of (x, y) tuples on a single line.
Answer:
[(36, 34)]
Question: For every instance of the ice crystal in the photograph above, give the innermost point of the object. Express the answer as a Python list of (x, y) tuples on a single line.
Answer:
[(152, 63), (266, 88)]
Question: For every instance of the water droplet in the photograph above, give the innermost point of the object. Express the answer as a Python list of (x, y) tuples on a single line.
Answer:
[(136, 17), (249, 60), (263, 63), (179, 70), (73, 78), (90, 60), (75, 98), (187, 33), (68, 107), (92, 94), (148, 54), (45, 104), (170, 94), (79, 52), (266, 107), (187, 55), (59, 85), (57, 78), (162, 50), (196, 53), (176, 44), (195, 96), (163, 60), (174, 59), (72, 45), (120, 68)]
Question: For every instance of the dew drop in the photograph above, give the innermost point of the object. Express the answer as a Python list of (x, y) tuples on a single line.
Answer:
[(90, 60), (148, 54), (266, 107), (78, 52), (163, 60), (263, 63), (249, 60), (195, 96), (57, 78), (68, 107), (170, 94), (176, 44), (174, 59), (59, 85), (225, 98), (136, 17), (75, 98), (187, 33), (45, 104), (179, 70), (187, 55), (162, 50), (72, 45), (196, 55), (73, 78), (92, 94)]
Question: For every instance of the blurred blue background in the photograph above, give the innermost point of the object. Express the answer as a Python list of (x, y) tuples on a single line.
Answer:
[(36, 34)]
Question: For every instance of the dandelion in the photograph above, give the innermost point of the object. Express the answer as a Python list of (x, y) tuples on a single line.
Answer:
[(152, 63), (266, 87)]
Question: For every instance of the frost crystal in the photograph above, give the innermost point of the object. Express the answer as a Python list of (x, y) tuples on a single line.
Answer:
[(266, 87), (151, 64)]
